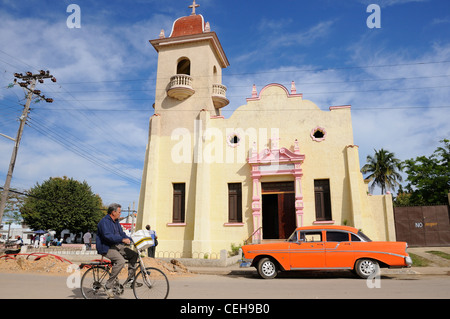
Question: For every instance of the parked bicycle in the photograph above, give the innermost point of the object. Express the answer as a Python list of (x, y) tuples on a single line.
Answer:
[(149, 282)]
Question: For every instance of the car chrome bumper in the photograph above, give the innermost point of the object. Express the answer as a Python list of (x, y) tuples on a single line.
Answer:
[(408, 261)]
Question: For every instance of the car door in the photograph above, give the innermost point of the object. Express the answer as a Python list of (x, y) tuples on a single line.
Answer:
[(308, 252), (339, 252)]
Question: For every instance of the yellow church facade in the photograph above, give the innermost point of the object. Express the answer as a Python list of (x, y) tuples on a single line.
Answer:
[(277, 163)]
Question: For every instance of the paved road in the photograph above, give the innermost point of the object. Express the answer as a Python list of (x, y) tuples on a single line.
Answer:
[(309, 286), (246, 285)]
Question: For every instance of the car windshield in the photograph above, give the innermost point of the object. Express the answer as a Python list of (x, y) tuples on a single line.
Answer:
[(363, 236), (293, 237)]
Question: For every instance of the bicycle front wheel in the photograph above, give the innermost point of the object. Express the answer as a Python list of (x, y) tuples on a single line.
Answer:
[(93, 283), (151, 284)]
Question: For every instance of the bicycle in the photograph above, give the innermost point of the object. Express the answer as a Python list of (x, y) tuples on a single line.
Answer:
[(149, 282)]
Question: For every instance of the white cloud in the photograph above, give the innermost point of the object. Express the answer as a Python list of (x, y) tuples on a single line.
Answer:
[(96, 54), (275, 36), (441, 21), (409, 116)]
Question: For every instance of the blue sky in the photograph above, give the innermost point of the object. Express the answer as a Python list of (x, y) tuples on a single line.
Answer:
[(395, 77)]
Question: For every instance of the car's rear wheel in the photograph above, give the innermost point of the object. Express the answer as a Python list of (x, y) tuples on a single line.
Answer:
[(267, 268), (366, 268)]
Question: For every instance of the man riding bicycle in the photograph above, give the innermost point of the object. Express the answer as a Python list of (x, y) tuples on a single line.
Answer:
[(112, 243)]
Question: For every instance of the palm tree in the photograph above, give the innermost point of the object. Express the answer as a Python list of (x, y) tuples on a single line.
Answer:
[(384, 169)]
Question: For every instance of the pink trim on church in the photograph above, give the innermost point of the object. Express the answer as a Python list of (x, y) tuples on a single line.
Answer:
[(318, 139), (270, 162), (340, 107), (257, 97)]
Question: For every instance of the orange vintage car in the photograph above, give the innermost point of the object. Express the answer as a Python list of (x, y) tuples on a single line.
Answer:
[(326, 247)]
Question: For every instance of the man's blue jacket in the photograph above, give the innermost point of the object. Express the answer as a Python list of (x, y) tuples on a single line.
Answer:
[(109, 233)]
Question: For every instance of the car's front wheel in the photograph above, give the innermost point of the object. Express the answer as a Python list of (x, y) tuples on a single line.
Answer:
[(366, 268), (267, 268)]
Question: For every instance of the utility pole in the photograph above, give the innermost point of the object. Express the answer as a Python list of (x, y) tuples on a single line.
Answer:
[(133, 220), (29, 84)]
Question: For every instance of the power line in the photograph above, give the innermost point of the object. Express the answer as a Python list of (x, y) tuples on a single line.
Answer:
[(15, 58), (244, 110), (266, 72), (293, 70), (94, 124), (78, 150), (242, 86), (287, 70), (64, 136), (304, 93)]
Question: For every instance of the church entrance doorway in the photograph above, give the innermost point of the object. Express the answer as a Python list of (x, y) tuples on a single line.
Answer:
[(278, 210)]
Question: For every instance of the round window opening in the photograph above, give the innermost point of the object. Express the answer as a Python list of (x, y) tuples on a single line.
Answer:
[(318, 134), (233, 140)]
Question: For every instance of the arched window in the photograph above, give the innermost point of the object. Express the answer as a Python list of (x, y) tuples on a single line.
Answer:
[(184, 66)]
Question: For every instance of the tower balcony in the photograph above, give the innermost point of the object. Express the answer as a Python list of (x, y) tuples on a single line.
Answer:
[(219, 96), (180, 87)]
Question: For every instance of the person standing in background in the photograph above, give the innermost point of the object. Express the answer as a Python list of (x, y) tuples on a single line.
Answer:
[(151, 250), (87, 239)]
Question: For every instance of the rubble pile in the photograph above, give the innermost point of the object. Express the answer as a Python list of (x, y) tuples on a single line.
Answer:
[(46, 264), (172, 268), (51, 265)]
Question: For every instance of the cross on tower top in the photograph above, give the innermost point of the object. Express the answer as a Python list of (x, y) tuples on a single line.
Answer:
[(193, 6)]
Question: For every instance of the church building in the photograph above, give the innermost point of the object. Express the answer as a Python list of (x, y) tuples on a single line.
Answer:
[(277, 163)]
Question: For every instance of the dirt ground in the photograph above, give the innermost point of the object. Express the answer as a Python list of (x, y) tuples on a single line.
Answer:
[(51, 265)]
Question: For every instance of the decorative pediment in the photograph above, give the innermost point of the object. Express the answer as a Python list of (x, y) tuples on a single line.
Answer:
[(282, 155), (276, 155), (276, 160)]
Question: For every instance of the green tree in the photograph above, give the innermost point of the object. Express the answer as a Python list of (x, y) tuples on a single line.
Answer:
[(429, 176), (62, 203), (403, 198), (384, 169)]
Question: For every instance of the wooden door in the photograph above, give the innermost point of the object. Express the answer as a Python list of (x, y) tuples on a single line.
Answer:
[(286, 215)]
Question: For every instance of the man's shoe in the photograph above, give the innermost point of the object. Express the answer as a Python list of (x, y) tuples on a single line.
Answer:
[(129, 283), (109, 292)]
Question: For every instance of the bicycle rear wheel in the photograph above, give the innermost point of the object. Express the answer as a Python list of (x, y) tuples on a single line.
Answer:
[(151, 284), (93, 283)]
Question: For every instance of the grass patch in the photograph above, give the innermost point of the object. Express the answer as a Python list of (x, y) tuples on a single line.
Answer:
[(418, 261), (439, 253)]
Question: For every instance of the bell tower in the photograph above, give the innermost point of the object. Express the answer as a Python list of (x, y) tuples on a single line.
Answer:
[(189, 92), (189, 75)]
